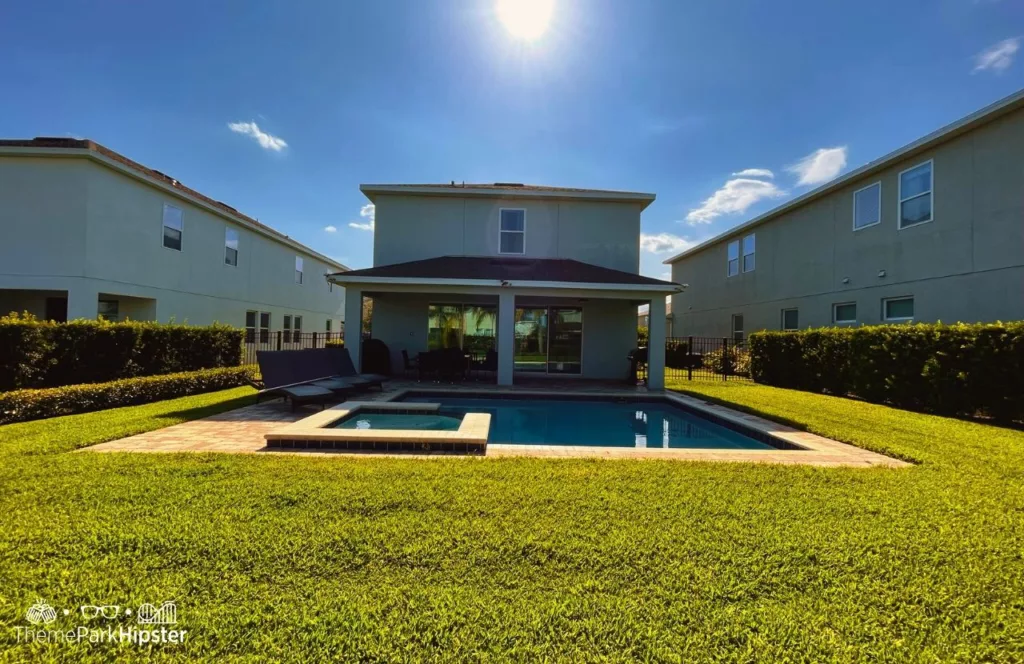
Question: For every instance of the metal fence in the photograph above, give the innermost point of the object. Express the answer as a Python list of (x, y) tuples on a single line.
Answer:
[(705, 358), (284, 340)]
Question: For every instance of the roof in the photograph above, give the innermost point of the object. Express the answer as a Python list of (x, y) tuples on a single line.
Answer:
[(507, 190), (85, 147), (501, 270), (949, 132)]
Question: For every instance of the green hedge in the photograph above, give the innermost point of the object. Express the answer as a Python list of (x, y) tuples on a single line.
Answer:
[(35, 353), (23, 405), (958, 369)]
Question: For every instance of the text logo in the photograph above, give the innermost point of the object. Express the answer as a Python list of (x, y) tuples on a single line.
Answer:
[(41, 612), (167, 614)]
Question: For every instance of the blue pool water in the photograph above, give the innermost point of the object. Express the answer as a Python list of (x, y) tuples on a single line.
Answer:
[(594, 423), (413, 421)]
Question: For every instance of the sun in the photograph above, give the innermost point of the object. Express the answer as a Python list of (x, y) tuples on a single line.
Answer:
[(526, 19)]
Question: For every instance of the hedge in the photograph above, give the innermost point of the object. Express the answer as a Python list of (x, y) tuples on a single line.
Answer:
[(965, 370), (23, 405), (35, 353)]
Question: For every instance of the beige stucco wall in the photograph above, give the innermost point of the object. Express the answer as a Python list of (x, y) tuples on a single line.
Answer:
[(71, 224), (965, 265), (417, 227)]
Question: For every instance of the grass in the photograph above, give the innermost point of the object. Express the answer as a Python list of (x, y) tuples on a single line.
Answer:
[(305, 559)]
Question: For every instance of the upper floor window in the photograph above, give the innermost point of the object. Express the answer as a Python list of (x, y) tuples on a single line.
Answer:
[(173, 225), (733, 264), (867, 206), (512, 234), (230, 246), (916, 195), (298, 269), (790, 319), (748, 253)]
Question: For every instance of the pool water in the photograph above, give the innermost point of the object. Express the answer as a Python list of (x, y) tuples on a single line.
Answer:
[(408, 421), (594, 423)]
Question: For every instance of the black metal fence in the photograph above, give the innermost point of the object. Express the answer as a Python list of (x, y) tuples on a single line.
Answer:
[(705, 358), (285, 340)]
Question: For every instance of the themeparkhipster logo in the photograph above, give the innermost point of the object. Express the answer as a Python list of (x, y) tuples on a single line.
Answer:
[(108, 623)]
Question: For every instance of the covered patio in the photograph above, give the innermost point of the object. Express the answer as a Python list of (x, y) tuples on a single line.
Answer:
[(542, 317)]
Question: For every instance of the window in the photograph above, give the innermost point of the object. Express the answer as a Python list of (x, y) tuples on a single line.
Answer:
[(898, 308), (845, 312), (287, 329), (512, 235), (867, 206), (173, 222), (748, 253), (108, 310), (298, 269), (328, 326), (737, 327), (916, 195), (790, 319), (230, 246), (733, 259), (298, 329), (250, 326), (264, 327)]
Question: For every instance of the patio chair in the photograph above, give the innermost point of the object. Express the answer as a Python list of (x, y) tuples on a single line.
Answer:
[(281, 378), (408, 365), (453, 364), (339, 362)]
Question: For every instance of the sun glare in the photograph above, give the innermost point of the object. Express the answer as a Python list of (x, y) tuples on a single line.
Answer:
[(526, 19)]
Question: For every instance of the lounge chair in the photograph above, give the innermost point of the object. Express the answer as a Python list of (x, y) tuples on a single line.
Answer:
[(340, 363), (285, 377)]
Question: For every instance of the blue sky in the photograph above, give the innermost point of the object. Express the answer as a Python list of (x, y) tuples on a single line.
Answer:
[(283, 109)]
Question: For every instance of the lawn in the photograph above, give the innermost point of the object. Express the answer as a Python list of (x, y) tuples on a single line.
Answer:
[(305, 559)]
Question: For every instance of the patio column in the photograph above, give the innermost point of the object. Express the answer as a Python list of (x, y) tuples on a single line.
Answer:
[(354, 325), (656, 344), (506, 336)]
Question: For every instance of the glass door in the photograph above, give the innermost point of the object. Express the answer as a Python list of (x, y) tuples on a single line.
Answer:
[(531, 340), (565, 345)]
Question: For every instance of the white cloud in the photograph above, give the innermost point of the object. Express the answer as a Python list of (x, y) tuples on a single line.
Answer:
[(663, 243), (330, 229), (755, 173), (735, 196), (998, 57), (266, 141), (819, 166), (368, 211)]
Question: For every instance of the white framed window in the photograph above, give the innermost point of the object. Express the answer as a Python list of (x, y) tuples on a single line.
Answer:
[(174, 225), (733, 259), (287, 329), (511, 231), (230, 246), (737, 327), (298, 269), (748, 253), (844, 313), (916, 202), (264, 327), (250, 326), (790, 319), (108, 309), (867, 206), (298, 328), (328, 330), (896, 309)]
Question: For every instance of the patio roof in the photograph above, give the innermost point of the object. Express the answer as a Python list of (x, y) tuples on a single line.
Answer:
[(504, 271)]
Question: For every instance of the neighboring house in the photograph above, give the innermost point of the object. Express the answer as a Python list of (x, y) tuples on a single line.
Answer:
[(547, 276), (643, 317), (88, 232), (933, 231)]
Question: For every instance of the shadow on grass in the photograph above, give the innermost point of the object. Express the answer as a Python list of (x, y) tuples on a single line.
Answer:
[(200, 412)]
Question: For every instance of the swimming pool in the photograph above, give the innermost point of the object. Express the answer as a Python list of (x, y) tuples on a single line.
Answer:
[(593, 422), (368, 419)]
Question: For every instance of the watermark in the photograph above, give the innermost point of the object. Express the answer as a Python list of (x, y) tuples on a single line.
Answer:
[(151, 624)]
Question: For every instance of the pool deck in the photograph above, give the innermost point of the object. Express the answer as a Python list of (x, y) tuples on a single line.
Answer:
[(243, 431)]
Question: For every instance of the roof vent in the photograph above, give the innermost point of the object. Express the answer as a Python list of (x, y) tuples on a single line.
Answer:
[(508, 184)]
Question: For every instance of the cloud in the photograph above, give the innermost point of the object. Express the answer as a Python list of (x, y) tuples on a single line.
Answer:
[(998, 57), (330, 229), (735, 196), (368, 211), (819, 166), (755, 173), (663, 243), (266, 141)]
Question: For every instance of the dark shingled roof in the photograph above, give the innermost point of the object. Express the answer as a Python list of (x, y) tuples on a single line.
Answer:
[(503, 268)]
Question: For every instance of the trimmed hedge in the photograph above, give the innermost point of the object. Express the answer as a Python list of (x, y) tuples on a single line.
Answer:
[(961, 369), (35, 353), (23, 405)]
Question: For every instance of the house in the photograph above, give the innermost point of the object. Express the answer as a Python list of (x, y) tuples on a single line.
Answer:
[(547, 276), (88, 232), (931, 232), (643, 318)]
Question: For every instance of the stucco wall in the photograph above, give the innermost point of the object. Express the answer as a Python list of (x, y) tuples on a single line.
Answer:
[(965, 265)]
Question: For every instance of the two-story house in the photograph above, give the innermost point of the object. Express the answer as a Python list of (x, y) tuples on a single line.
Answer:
[(931, 232), (547, 276), (87, 232)]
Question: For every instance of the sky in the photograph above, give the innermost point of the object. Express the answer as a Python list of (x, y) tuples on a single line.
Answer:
[(723, 109)]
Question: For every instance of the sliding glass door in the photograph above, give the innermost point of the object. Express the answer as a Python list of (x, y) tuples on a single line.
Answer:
[(549, 340), (565, 341), (531, 340)]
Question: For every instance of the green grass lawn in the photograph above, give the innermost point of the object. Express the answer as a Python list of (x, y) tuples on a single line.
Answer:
[(374, 559)]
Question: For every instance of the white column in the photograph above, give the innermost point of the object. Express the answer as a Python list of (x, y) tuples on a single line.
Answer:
[(506, 337), (354, 325), (656, 345), (83, 302)]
